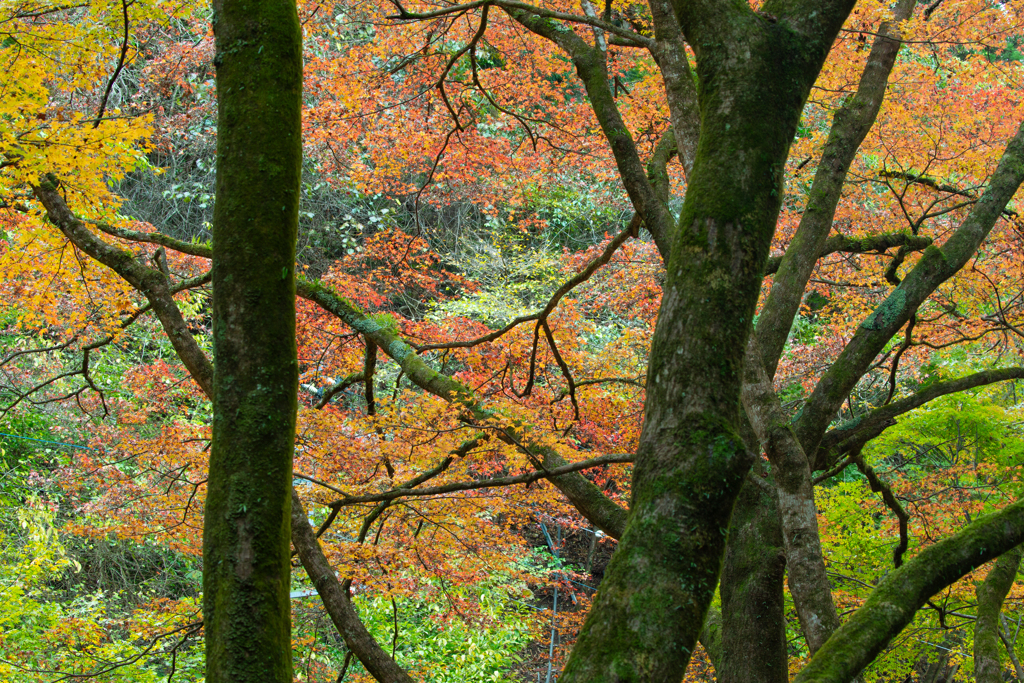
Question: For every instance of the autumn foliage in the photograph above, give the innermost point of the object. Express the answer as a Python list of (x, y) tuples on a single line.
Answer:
[(455, 178)]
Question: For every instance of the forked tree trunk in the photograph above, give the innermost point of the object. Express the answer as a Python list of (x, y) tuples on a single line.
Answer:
[(755, 71), (248, 507)]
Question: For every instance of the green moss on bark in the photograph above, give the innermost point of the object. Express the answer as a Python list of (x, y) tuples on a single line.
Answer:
[(897, 598), (753, 643), (247, 522), (754, 76), (988, 660)]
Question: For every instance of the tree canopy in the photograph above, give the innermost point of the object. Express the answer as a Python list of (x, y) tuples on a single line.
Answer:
[(728, 291)]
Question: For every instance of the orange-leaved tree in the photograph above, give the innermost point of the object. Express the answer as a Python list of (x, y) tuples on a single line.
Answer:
[(827, 191)]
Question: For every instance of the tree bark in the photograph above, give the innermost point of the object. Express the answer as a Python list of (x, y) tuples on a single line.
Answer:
[(246, 534), (988, 663), (808, 582), (753, 630), (754, 76)]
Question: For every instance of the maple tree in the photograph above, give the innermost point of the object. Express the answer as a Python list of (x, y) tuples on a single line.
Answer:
[(911, 122)]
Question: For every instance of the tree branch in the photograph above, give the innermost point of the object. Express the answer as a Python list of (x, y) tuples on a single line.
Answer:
[(849, 128), (988, 665), (566, 287), (884, 415), (591, 65), (632, 38), (407, 491), (879, 486), (936, 265), (893, 603), (877, 244), (149, 281), (584, 495), (669, 51), (335, 599)]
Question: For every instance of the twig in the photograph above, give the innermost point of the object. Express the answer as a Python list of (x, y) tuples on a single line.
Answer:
[(878, 486), (527, 478), (120, 65)]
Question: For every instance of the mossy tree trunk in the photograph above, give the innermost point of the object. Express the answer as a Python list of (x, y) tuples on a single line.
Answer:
[(248, 507), (754, 71), (753, 633), (988, 661)]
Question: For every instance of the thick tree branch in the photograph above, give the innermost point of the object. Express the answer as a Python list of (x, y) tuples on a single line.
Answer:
[(588, 498), (191, 248), (808, 582), (937, 265), (850, 126), (876, 244), (988, 665), (882, 417), (669, 51), (149, 281), (336, 601), (896, 599)]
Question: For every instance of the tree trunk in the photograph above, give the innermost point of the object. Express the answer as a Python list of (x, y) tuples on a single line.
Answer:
[(753, 640), (808, 582), (248, 506), (988, 664), (691, 461)]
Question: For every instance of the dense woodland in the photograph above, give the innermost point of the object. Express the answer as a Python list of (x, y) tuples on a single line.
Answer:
[(660, 341)]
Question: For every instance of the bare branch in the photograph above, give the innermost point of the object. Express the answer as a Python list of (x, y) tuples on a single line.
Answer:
[(456, 487)]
